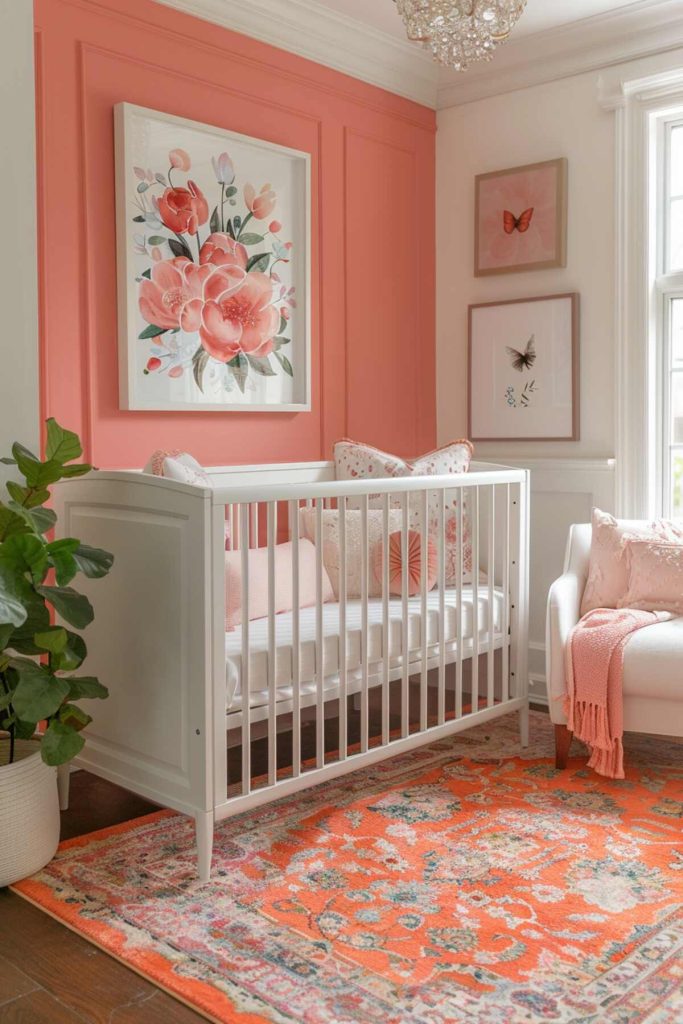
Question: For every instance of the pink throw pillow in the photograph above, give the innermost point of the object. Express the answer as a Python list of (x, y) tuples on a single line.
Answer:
[(608, 570), (414, 563), (355, 460), (655, 582), (258, 581)]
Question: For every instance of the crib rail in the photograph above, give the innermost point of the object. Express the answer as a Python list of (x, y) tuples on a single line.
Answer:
[(378, 668)]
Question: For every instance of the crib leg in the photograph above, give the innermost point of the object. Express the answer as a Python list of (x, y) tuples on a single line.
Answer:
[(524, 726), (204, 833), (63, 779), (563, 741)]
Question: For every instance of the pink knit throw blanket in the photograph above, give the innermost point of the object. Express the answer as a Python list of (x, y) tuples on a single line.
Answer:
[(595, 661)]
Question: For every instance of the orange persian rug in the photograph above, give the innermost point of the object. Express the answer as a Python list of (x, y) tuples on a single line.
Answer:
[(467, 881)]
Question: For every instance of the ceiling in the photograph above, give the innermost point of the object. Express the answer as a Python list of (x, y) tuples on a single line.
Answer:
[(540, 15)]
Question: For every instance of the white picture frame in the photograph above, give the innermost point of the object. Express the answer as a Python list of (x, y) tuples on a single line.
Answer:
[(524, 369), (201, 334)]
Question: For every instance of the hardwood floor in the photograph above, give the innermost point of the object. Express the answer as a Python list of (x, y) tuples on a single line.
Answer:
[(48, 974)]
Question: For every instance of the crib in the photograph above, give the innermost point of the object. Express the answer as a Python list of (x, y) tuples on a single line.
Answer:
[(385, 672)]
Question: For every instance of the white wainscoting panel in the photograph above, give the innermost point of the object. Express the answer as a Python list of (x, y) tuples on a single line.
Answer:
[(563, 491)]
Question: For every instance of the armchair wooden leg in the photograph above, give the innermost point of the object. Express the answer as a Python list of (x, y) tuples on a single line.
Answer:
[(563, 741)]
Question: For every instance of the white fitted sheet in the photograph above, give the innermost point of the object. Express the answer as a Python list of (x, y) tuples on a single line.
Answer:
[(258, 639)]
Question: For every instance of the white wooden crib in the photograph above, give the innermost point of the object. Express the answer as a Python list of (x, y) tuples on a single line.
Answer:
[(430, 665)]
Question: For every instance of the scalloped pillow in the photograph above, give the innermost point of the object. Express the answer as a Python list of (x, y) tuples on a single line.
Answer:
[(176, 465), (414, 563), (355, 460), (608, 573), (655, 582)]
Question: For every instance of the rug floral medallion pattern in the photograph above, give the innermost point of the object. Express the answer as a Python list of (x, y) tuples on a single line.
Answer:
[(465, 882)]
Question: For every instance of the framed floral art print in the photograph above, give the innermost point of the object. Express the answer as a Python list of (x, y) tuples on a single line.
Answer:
[(524, 369), (521, 219), (213, 239)]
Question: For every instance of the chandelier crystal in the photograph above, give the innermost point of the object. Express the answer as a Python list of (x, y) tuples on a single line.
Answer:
[(460, 32)]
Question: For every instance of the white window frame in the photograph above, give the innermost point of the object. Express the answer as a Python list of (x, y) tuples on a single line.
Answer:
[(641, 106), (668, 286)]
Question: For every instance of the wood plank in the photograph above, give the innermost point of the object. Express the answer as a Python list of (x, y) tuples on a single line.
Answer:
[(159, 1009), (13, 982), (38, 1007)]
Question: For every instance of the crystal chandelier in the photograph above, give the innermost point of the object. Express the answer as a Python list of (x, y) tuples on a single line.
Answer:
[(459, 32)]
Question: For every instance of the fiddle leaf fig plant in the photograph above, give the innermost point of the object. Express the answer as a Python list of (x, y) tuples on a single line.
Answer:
[(37, 656)]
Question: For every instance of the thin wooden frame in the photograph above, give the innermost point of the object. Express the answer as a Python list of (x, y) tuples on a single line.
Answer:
[(576, 379), (560, 257)]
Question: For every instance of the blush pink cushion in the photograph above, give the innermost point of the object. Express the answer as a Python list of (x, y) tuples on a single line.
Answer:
[(258, 581), (354, 550), (608, 570), (655, 580), (414, 563), (355, 460)]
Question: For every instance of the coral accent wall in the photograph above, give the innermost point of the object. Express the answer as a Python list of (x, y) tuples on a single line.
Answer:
[(373, 230)]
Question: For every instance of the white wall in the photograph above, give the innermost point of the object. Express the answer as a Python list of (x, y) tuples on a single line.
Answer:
[(556, 119), (19, 384)]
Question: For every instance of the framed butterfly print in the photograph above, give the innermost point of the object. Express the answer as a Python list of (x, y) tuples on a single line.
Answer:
[(524, 369), (521, 219)]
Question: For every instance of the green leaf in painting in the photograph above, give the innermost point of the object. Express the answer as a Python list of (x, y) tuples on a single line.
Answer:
[(62, 445), (259, 262), (250, 238), (279, 342), (284, 363), (261, 366), (230, 192), (156, 240), (143, 186), (75, 608), (146, 273), (151, 331), (179, 248), (239, 367), (139, 219), (199, 361), (215, 222), (60, 743)]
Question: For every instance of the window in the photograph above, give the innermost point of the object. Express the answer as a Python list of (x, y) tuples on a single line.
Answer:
[(668, 316)]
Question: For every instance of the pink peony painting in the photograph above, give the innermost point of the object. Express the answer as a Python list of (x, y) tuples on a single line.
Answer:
[(521, 218), (212, 234)]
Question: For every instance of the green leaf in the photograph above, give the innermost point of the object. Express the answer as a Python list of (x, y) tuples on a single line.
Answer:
[(75, 608), (53, 640), (37, 498), (93, 562), (143, 186), (240, 370), (258, 262), (180, 248), (71, 714), (230, 192), (37, 618), (25, 553), (42, 519), (284, 363), (38, 474), (250, 238), (146, 273), (199, 361), (77, 469), (139, 219), (151, 331), (39, 694), (284, 323), (261, 366), (86, 688), (61, 554), (24, 730), (11, 523), (73, 655), (6, 630), (156, 240), (62, 445), (60, 743), (279, 342), (215, 222)]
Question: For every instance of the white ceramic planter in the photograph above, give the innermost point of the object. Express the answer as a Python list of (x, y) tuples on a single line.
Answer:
[(29, 812)]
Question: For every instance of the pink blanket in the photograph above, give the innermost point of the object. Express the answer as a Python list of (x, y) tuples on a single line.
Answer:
[(594, 702)]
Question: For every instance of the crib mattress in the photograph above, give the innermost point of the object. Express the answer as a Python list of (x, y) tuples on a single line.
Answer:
[(333, 649)]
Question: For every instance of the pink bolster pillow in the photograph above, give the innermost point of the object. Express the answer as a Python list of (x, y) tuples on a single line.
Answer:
[(258, 581)]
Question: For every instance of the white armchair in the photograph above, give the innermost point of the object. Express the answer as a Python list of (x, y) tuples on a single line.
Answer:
[(653, 657)]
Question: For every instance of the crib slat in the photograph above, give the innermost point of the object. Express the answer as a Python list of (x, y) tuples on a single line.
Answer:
[(474, 495), (424, 533), (271, 526), (254, 523), (459, 568), (296, 648), (343, 651), (364, 623), (405, 645), (386, 639), (319, 667), (441, 577), (505, 628), (490, 692), (245, 682)]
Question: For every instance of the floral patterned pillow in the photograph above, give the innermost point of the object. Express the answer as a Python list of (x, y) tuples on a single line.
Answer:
[(655, 581), (355, 460)]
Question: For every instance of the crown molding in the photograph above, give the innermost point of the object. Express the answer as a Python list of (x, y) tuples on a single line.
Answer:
[(641, 30), (326, 37)]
